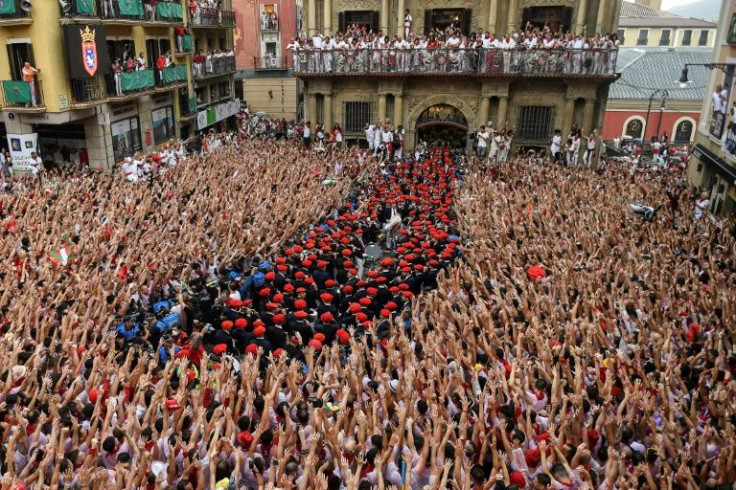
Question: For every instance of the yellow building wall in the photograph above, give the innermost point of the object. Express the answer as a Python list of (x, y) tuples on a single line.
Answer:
[(280, 103), (631, 36)]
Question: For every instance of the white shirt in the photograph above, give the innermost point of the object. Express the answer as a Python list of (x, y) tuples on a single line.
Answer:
[(701, 207), (483, 139), (35, 165), (407, 20), (317, 42), (556, 144)]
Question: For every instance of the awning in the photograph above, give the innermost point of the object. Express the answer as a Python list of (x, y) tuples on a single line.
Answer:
[(705, 155)]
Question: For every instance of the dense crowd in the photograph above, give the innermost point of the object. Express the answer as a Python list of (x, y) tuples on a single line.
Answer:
[(252, 318)]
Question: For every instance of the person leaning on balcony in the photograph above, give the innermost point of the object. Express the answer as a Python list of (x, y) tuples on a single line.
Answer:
[(29, 76), (140, 62), (150, 7)]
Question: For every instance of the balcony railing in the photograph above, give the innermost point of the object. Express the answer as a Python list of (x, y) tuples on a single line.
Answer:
[(532, 62), (124, 84), (17, 93), (205, 16), (81, 8), (270, 63), (123, 9), (227, 18), (171, 75), (216, 66), (184, 44), (12, 10), (88, 90)]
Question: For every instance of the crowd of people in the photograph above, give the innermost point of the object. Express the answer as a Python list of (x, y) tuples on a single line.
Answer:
[(531, 50), (254, 318)]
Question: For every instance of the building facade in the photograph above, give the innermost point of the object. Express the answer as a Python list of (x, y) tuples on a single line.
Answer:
[(647, 100), (532, 92), (264, 30), (713, 163), (110, 78), (643, 23)]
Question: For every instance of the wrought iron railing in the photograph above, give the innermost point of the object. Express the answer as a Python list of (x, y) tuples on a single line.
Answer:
[(216, 66), (270, 63), (589, 62), (88, 90)]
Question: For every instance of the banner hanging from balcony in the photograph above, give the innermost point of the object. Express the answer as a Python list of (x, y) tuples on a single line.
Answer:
[(169, 11), (7, 7), (85, 7), (86, 46), (132, 8), (174, 74), (137, 80), (17, 92)]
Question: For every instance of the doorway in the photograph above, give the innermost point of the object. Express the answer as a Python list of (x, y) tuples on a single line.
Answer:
[(441, 125), (444, 19)]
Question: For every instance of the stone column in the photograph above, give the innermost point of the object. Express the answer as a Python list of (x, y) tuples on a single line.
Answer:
[(503, 106), (492, 17), (400, 19), (600, 23), (567, 117), (327, 111), (580, 19), (312, 108), (485, 104), (327, 22), (382, 108), (311, 16), (398, 110), (384, 17), (513, 17), (588, 122)]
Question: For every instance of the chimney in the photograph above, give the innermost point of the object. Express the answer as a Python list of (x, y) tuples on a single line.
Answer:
[(655, 4)]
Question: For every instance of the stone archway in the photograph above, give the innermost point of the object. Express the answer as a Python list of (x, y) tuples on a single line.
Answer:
[(420, 106)]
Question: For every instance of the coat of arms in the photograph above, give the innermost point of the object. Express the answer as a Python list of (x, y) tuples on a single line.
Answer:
[(89, 51)]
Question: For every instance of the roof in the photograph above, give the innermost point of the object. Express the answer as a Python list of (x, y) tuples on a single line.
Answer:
[(635, 15), (645, 69)]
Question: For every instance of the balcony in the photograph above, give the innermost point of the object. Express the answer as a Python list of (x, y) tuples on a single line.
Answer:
[(88, 92), (12, 14), (168, 12), (495, 62), (171, 75), (214, 67), (23, 96), (131, 84), (270, 63), (184, 45), (212, 17)]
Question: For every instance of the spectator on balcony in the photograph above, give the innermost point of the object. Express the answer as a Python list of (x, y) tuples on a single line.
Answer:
[(407, 24), (130, 65), (265, 21), (141, 62), (161, 62), (150, 8), (108, 8), (117, 74), (194, 11), (29, 76), (208, 66), (274, 21)]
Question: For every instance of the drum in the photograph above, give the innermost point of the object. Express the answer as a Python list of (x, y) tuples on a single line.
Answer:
[(372, 253)]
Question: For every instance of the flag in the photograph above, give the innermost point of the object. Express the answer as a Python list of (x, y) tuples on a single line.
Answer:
[(63, 255)]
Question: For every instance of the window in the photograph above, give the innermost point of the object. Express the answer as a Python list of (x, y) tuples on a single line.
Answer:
[(731, 37), (687, 36), (535, 122), (683, 132), (703, 39), (224, 89), (556, 18), (643, 39), (356, 115), (664, 38), (163, 124), (444, 18), (634, 128), (120, 50), (269, 17), (156, 48), (18, 54), (367, 18), (126, 138), (621, 35)]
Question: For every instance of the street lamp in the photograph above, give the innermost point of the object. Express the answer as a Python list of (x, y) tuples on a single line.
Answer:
[(664, 95), (684, 80)]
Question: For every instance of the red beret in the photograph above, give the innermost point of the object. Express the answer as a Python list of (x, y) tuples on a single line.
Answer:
[(245, 439), (300, 304), (298, 249), (325, 297), (251, 349), (361, 317), (329, 283), (282, 268), (270, 276), (279, 319), (227, 325), (288, 288), (326, 317), (385, 313), (264, 292), (259, 331), (355, 308), (321, 264), (241, 323), (219, 349), (347, 252), (271, 305), (319, 336), (307, 263), (301, 315), (391, 306), (316, 344), (278, 298), (278, 353), (280, 260)]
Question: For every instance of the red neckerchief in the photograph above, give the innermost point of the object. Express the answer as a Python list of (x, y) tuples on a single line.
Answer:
[(368, 469)]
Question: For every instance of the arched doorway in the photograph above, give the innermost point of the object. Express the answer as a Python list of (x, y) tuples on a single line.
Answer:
[(443, 124)]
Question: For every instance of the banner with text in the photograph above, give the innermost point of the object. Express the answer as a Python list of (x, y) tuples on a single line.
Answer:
[(21, 146)]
